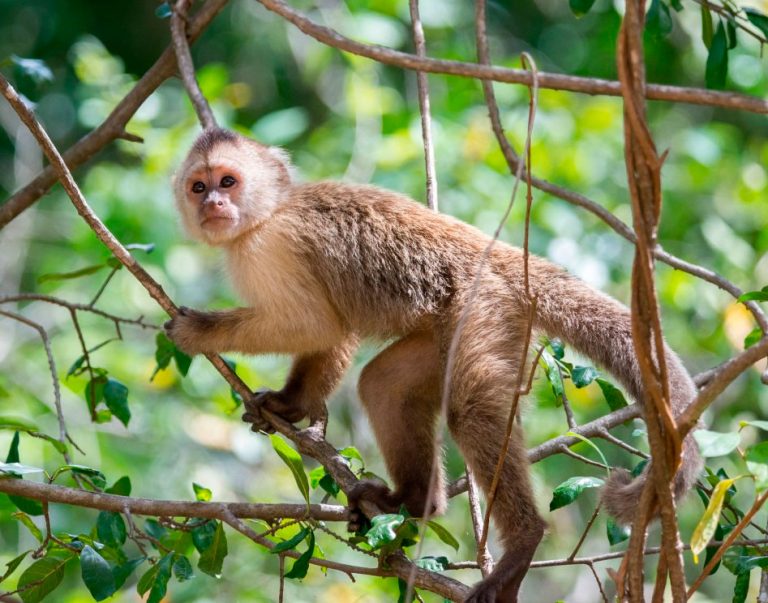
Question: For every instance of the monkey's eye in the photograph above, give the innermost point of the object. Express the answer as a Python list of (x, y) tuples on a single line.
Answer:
[(198, 187), (227, 181)]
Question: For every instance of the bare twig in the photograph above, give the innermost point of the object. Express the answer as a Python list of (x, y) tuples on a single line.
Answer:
[(484, 559), (63, 434), (426, 117), (186, 66)]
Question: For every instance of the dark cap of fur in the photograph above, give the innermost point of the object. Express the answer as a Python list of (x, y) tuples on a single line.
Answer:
[(212, 137)]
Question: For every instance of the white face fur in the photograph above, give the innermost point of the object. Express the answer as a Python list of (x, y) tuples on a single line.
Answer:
[(228, 185)]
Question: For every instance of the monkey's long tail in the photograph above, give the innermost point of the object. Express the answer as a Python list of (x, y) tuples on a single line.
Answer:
[(600, 328)]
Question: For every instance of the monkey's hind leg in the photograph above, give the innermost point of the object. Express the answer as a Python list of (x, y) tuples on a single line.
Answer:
[(399, 389), (483, 379)]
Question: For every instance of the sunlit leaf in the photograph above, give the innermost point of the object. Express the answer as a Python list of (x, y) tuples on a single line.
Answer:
[(383, 529), (708, 522), (11, 566), (761, 295), (202, 493), (752, 338)]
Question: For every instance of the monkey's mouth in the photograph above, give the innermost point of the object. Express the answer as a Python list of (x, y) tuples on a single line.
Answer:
[(216, 221)]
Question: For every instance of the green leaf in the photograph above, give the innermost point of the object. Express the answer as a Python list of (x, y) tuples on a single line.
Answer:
[(707, 29), (677, 5), (580, 7), (110, 528), (753, 337), (212, 559), (121, 487), (760, 296), (301, 565), (94, 390), (14, 424), (658, 20), (583, 375), (350, 452), (757, 463), (35, 69), (757, 19), (29, 524), (183, 361), (122, 571), (713, 443), (145, 247), (717, 60), (708, 522), (612, 394), (570, 490), (383, 529), (155, 580), (730, 30), (741, 588), (116, 399), (42, 577), (96, 573), (97, 477), (552, 373), (328, 484), (202, 535), (13, 451), (182, 568), (615, 532), (295, 464), (443, 534), (291, 543), (65, 276), (201, 493), (13, 467), (163, 11), (433, 564), (589, 442), (13, 564)]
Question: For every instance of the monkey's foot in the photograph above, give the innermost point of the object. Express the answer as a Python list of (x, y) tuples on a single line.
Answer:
[(275, 402), (374, 492)]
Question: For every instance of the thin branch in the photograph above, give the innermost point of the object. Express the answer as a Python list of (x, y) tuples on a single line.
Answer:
[(426, 117), (113, 127), (186, 66), (63, 434), (593, 86), (484, 559)]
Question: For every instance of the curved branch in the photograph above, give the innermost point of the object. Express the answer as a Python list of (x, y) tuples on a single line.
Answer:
[(326, 35)]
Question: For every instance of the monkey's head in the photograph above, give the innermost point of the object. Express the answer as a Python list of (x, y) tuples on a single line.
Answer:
[(228, 185)]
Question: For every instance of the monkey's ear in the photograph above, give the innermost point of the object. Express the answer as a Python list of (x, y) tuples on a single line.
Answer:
[(282, 156)]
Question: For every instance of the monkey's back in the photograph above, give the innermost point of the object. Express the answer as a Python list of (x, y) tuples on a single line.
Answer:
[(388, 264)]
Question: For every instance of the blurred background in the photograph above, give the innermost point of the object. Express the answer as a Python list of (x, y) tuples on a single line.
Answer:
[(345, 117)]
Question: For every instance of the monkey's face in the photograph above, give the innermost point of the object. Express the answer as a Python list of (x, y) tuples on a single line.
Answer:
[(229, 187)]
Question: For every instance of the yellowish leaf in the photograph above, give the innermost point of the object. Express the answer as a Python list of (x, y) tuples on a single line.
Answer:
[(708, 522)]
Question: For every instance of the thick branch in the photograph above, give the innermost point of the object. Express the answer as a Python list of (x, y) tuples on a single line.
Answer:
[(326, 35), (168, 508)]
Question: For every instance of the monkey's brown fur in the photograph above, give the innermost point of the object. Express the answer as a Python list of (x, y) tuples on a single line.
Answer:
[(321, 265)]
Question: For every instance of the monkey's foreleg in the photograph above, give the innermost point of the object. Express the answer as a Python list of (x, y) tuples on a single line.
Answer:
[(312, 379)]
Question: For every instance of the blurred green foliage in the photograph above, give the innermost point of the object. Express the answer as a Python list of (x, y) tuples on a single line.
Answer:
[(346, 117)]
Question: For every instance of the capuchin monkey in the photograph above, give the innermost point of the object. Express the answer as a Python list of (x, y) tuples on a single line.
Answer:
[(323, 265)]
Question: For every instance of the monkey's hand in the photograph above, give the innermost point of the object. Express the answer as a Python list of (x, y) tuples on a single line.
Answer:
[(190, 330), (275, 402), (374, 492)]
